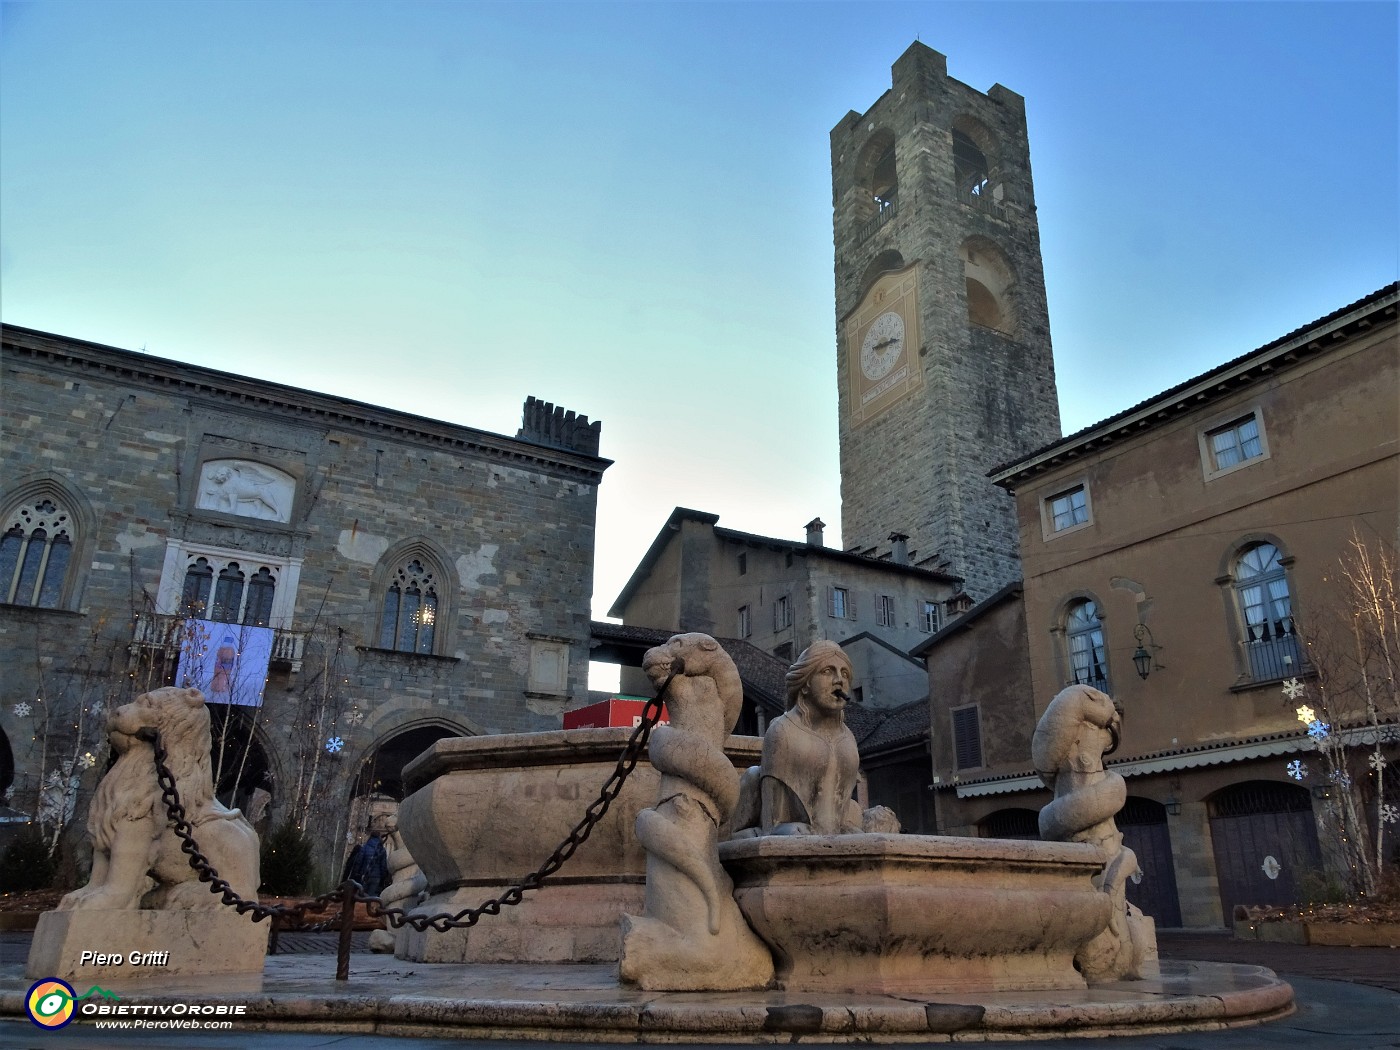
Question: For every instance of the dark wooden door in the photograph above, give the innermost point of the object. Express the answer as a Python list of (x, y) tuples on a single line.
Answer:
[(1265, 843), (1143, 823)]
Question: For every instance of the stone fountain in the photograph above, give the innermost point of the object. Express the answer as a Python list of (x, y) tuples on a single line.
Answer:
[(734, 892), (758, 882)]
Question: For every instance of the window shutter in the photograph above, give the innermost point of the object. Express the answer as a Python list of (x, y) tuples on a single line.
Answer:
[(967, 738)]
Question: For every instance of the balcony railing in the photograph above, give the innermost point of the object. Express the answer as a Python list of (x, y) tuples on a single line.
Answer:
[(888, 209), (1271, 659), (166, 634), (984, 196)]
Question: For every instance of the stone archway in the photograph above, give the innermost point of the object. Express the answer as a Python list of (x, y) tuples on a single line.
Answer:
[(382, 770)]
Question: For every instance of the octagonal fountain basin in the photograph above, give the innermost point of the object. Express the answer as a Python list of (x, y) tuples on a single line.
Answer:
[(487, 810), (898, 914)]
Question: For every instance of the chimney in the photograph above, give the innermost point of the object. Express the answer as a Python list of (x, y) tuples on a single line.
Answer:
[(899, 548), (814, 532)]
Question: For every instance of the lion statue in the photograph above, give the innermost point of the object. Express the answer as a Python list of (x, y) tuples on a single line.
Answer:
[(1078, 729), (136, 858)]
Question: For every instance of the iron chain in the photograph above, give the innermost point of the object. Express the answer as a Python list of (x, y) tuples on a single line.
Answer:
[(398, 917)]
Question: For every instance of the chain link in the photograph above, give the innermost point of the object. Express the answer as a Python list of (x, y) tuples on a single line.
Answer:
[(398, 917)]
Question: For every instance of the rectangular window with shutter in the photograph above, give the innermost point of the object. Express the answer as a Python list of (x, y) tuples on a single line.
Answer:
[(838, 603), (782, 613), (884, 610), (967, 738)]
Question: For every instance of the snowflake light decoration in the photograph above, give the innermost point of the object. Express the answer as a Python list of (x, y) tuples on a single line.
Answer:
[(1318, 730), (87, 761), (334, 745), (1390, 814), (1340, 777), (1377, 761), (355, 717), (1297, 770), (22, 709), (1306, 715), (9, 793), (1294, 689)]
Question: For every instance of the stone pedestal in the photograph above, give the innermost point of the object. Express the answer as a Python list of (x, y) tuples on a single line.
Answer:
[(135, 944)]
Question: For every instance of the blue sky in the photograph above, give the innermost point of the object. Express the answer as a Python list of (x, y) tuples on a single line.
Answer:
[(626, 208)]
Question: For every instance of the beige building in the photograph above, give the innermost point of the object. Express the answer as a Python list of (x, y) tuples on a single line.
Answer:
[(1201, 533)]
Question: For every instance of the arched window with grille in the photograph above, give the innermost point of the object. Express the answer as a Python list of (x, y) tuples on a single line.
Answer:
[(36, 552), (408, 619), (1266, 613), (1088, 662)]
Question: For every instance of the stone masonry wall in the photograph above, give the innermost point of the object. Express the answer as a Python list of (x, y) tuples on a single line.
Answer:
[(920, 467), (123, 437)]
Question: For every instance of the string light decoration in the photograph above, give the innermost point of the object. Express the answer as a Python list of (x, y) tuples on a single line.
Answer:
[(1338, 799)]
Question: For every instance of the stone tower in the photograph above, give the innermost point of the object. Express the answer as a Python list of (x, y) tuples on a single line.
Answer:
[(943, 339)]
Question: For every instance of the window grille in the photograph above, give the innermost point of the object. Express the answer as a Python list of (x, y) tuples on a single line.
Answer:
[(35, 552), (408, 621)]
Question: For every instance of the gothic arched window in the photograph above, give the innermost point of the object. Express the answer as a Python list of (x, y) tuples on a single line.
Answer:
[(1266, 611), (408, 618), (1084, 636), (36, 550)]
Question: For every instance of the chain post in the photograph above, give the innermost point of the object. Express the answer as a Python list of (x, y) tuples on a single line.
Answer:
[(349, 891)]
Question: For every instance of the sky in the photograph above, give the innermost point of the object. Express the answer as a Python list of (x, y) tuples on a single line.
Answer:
[(625, 208)]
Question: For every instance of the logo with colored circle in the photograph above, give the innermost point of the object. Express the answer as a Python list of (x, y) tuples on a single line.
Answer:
[(50, 1003)]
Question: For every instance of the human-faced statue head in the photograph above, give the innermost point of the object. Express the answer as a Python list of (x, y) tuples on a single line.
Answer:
[(822, 677)]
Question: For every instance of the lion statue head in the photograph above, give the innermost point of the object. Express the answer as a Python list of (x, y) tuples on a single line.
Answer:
[(136, 859)]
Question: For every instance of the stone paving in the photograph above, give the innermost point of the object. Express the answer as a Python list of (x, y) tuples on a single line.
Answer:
[(1356, 1007)]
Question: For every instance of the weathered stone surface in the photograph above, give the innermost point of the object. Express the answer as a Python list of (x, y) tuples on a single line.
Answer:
[(488, 810), (897, 914), (134, 944), (810, 763), (691, 935), (127, 819), (1080, 726)]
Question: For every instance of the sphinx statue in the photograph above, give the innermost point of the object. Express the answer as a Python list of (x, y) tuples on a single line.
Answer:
[(1078, 729), (692, 935), (808, 771)]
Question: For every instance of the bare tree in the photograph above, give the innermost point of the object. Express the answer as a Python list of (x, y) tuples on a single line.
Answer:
[(1353, 713)]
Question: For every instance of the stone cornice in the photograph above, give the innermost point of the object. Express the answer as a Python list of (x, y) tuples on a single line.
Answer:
[(241, 393)]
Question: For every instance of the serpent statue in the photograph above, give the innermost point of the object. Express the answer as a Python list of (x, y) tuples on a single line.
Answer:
[(692, 935), (1078, 729)]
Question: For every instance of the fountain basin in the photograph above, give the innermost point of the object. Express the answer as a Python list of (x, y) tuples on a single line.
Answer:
[(485, 811), (925, 914)]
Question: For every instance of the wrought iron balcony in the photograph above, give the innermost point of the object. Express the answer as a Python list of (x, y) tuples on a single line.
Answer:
[(166, 634)]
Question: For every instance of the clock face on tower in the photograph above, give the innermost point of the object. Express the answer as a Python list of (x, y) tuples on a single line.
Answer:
[(883, 343), (882, 336)]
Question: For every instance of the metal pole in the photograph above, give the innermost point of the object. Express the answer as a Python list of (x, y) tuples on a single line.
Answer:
[(347, 926)]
